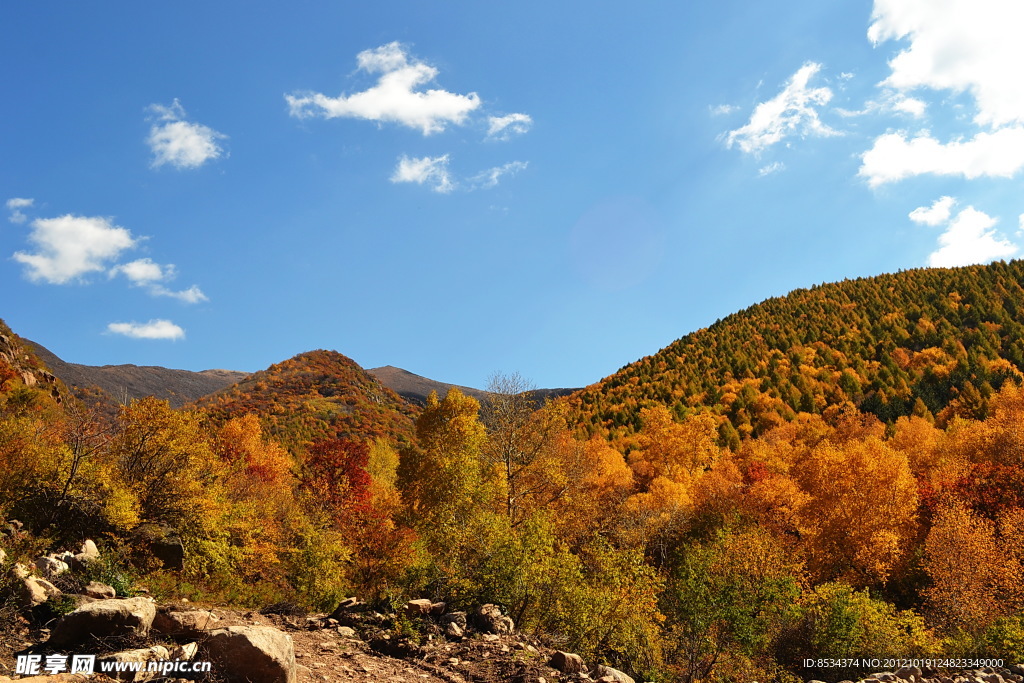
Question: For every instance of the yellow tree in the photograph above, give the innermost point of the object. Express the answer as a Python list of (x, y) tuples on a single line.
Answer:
[(444, 479), (166, 462), (259, 486), (861, 515), (974, 580), (521, 440)]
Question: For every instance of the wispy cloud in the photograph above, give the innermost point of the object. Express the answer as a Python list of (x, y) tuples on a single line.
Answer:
[(154, 329), (504, 127), (15, 206), (192, 295), (791, 112), (397, 97), (492, 176), (430, 171), (180, 143), (771, 168), (70, 247), (435, 174)]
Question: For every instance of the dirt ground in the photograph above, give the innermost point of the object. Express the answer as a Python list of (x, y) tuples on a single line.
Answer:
[(327, 651)]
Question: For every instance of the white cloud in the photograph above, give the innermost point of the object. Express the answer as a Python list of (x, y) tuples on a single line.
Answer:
[(893, 157), (970, 238), (971, 46), (909, 105), (791, 112), (936, 214), (181, 143), (69, 247), (15, 206), (773, 167), (432, 171), (504, 127), (154, 329), (723, 109), (492, 176), (143, 271), (395, 97)]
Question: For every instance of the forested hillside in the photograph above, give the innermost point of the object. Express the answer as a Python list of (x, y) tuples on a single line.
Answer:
[(932, 341), (313, 396), (874, 507)]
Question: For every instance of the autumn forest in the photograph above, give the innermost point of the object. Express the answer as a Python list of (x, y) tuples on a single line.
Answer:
[(837, 473)]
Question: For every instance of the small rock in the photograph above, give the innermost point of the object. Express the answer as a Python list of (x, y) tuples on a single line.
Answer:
[(438, 608), (491, 620), (566, 662), (186, 651), (346, 632), (455, 618), (614, 675), (51, 567), (149, 654), (32, 591), (418, 607), (190, 624), (100, 591), (454, 631)]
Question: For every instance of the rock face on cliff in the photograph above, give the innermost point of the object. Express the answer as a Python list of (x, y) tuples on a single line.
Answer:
[(20, 366)]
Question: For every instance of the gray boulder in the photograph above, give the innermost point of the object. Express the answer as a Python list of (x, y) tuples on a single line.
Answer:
[(251, 654), (490, 620), (607, 673), (51, 566), (104, 619)]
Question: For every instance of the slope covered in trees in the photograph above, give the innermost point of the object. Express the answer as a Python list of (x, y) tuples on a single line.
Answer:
[(929, 341), (313, 396)]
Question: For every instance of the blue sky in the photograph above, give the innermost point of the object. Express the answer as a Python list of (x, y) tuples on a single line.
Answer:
[(556, 189)]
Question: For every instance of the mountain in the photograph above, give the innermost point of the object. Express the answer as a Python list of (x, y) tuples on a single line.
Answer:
[(928, 341), (316, 395), (126, 382), (416, 388)]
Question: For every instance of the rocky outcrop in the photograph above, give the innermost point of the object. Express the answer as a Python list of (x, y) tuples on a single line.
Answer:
[(251, 654)]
